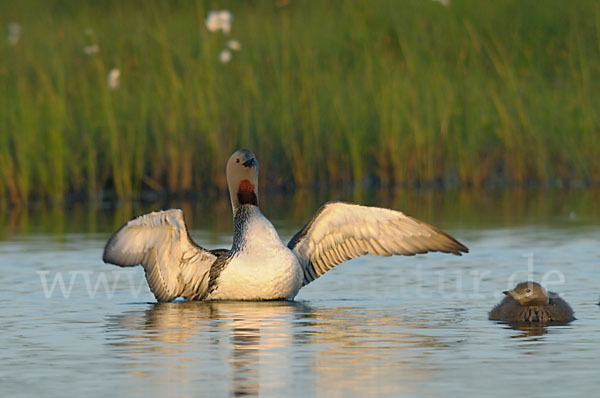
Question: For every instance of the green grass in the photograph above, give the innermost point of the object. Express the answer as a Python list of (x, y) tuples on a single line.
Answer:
[(400, 92)]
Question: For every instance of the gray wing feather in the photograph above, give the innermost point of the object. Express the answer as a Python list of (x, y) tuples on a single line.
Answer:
[(174, 265), (340, 231)]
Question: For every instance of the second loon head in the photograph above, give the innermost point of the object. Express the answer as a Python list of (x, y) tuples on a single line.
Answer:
[(529, 293), (242, 178)]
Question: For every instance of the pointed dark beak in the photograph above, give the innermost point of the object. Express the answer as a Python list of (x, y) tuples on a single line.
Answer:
[(250, 162), (507, 292)]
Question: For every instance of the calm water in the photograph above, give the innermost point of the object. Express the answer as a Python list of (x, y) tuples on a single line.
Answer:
[(399, 326)]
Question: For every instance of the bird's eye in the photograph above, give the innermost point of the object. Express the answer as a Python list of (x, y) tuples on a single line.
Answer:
[(237, 160), (528, 291)]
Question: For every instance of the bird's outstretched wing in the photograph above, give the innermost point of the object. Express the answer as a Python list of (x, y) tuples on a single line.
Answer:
[(340, 231), (175, 266)]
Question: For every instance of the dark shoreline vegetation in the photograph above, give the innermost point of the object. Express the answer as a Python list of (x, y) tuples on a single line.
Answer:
[(464, 210), (385, 93)]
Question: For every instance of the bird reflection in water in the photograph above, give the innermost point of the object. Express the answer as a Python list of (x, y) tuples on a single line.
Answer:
[(531, 331), (161, 341), (252, 348)]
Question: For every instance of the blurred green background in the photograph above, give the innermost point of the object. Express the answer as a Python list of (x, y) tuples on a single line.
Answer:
[(382, 93)]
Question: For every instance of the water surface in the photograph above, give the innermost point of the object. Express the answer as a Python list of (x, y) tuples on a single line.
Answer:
[(399, 326)]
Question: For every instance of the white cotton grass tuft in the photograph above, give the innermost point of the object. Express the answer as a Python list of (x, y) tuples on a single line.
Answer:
[(219, 20), (113, 78), (445, 3), (14, 33), (91, 49), (225, 56), (234, 45)]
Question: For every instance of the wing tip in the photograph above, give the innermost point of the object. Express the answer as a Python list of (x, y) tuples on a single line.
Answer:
[(113, 250), (111, 256), (108, 256), (460, 249)]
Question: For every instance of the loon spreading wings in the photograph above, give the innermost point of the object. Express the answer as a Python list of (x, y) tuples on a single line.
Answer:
[(259, 266)]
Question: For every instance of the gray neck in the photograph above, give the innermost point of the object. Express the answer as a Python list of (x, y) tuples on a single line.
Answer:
[(241, 216)]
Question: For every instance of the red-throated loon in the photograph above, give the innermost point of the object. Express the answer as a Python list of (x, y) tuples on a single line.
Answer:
[(529, 302), (259, 266)]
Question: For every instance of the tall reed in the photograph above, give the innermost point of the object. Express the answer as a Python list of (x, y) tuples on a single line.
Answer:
[(407, 92)]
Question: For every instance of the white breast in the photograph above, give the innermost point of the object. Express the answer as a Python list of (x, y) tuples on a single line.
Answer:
[(265, 269)]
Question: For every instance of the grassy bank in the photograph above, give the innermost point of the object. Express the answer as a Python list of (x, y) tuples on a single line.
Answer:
[(323, 92)]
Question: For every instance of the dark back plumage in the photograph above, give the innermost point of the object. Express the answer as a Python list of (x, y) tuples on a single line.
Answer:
[(512, 311)]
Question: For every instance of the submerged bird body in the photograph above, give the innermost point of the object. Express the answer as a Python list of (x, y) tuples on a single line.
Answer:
[(529, 302), (259, 266)]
